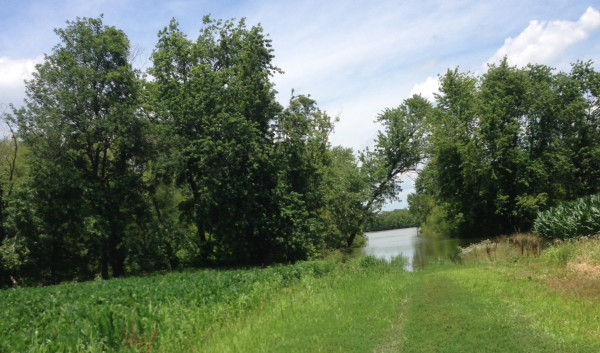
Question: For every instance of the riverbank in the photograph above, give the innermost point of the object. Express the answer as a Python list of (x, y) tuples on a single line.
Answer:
[(545, 303)]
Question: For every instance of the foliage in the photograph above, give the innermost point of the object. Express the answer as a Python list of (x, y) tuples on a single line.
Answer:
[(86, 154), (198, 166), (251, 172), (10, 171), (508, 144), (107, 316), (398, 150), (395, 219), (347, 188), (572, 219)]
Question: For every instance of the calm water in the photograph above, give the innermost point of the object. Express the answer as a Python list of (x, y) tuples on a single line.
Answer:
[(406, 242)]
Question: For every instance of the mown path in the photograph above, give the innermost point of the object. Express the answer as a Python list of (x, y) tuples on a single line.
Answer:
[(479, 310), (446, 309)]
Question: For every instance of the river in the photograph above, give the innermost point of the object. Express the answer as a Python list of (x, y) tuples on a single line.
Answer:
[(417, 250)]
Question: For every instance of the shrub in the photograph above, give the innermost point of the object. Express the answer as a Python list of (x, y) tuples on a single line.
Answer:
[(580, 217)]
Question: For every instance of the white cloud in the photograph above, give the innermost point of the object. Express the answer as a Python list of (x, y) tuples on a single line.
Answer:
[(543, 42), (13, 73), (427, 89)]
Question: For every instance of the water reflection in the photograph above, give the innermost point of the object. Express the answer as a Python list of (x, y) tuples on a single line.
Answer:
[(407, 243)]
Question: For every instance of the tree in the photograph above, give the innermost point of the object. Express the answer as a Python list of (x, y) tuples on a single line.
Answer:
[(8, 168), (347, 190), (87, 150), (218, 103), (302, 153), (586, 139), (398, 150), (508, 144)]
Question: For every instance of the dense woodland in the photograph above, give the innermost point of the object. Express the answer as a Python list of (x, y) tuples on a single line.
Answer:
[(507, 144), (110, 171)]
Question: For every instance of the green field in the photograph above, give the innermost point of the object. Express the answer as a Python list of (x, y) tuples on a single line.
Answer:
[(493, 303)]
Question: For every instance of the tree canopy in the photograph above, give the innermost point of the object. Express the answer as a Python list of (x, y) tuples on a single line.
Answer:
[(508, 144)]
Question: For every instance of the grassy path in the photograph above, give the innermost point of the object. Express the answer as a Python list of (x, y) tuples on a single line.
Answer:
[(479, 310), (445, 309), (346, 313)]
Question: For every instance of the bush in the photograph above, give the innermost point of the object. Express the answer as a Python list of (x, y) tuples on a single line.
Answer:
[(580, 217)]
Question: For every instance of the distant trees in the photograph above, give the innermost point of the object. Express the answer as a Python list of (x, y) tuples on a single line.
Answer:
[(386, 220), (507, 144)]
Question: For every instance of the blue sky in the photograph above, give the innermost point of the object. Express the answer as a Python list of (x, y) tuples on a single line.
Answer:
[(355, 58)]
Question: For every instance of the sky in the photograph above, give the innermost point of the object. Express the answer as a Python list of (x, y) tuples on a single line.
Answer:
[(355, 58)]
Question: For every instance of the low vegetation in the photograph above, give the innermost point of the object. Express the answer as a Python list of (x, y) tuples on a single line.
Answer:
[(170, 312), (572, 219), (515, 294)]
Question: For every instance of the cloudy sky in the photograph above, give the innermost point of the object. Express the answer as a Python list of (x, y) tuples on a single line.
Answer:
[(354, 57)]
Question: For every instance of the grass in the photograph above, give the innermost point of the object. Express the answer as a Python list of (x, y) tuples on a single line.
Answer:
[(349, 312), (502, 298), (480, 308)]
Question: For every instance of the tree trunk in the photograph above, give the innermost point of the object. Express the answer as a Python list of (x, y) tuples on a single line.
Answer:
[(171, 257), (116, 256), (104, 260)]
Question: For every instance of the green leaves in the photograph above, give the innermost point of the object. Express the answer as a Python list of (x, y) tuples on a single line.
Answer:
[(509, 143), (573, 219), (112, 316), (88, 149)]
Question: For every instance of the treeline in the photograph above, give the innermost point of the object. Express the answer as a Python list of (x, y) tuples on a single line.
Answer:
[(111, 171), (386, 220), (509, 143)]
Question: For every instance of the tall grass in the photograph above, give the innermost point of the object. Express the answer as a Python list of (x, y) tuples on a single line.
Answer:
[(504, 248), (580, 217)]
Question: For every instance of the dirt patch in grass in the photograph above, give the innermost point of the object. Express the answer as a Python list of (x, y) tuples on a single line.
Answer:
[(585, 269), (580, 279)]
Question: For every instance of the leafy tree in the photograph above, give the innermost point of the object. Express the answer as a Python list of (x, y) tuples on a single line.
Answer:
[(87, 151), (346, 191), (9, 150), (586, 140), (219, 104), (398, 150), (506, 145), (302, 152)]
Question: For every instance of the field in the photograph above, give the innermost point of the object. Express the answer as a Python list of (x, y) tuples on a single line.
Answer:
[(490, 303)]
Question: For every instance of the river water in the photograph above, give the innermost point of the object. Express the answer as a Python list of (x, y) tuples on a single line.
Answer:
[(407, 243)]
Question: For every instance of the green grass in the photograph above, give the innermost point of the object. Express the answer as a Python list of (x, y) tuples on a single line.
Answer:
[(528, 304), (351, 311), (495, 309)]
